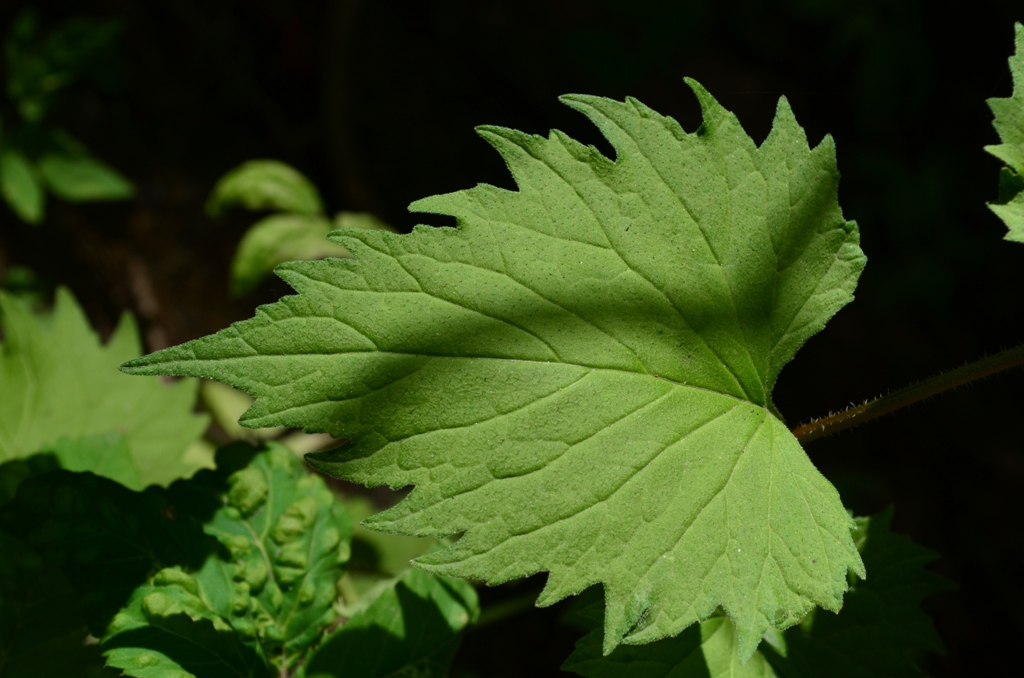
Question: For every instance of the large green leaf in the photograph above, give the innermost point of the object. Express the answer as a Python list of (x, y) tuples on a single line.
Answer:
[(1009, 123), (880, 632), (412, 628), (83, 179), (264, 185), (42, 625), (577, 378), (61, 385), (20, 186)]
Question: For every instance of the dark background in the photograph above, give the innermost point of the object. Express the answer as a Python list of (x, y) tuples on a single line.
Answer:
[(376, 102)]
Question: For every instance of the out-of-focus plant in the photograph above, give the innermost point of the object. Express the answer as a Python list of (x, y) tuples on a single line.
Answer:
[(296, 230), (37, 155)]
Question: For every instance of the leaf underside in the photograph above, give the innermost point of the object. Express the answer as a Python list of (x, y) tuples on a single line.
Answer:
[(578, 376), (61, 395), (1009, 123), (880, 631)]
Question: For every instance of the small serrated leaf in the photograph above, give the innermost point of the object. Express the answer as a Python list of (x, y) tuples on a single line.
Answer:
[(1009, 123), (264, 185), (412, 628)]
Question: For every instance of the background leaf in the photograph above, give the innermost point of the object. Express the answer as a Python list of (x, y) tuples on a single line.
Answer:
[(412, 628), (607, 338), (275, 240), (20, 186), (42, 625), (60, 383), (264, 185), (83, 179), (1009, 123)]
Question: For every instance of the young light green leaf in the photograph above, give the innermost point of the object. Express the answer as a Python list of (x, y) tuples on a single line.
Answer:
[(264, 185), (83, 179), (275, 240), (880, 631), (21, 187), (42, 625), (168, 629), (1009, 123), (289, 539), (412, 628), (59, 382), (578, 376)]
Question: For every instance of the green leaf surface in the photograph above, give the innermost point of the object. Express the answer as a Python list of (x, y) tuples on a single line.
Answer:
[(880, 632), (42, 625), (578, 376), (62, 390), (1009, 123), (275, 240), (412, 628), (21, 187), (289, 539), (264, 185), (169, 629), (83, 179)]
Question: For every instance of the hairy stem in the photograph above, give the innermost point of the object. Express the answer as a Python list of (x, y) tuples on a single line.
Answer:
[(819, 428)]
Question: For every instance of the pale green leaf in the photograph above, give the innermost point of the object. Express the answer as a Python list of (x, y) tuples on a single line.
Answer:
[(226, 405), (59, 382), (577, 378), (264, 185), (42, 625), (1009, 123), (275, 240), (412, 628), (21, 187), (105, 454), (83, 179)]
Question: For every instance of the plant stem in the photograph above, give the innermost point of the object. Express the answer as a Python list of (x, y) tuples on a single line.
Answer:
[(999, 362)]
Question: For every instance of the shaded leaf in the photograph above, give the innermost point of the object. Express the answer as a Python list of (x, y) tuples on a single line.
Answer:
[(21, 187), (606, 340), (264, 185), (83, 179), (61, 384), (42, 625), (412, 628)]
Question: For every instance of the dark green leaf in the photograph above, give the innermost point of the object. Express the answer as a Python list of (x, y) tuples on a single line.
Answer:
[(412, 628)]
